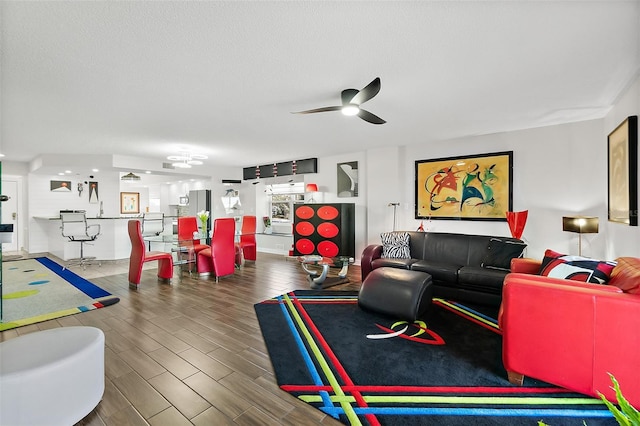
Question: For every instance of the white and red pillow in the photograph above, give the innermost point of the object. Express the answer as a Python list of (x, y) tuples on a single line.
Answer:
[(577, 268)]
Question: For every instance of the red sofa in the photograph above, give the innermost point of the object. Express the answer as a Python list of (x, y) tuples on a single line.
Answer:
[(572, 334)]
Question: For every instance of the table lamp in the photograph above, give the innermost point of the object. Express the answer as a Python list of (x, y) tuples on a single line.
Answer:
[(580, 225)]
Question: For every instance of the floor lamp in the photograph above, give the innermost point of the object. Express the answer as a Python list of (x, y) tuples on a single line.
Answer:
[(395, 206), (580, 225), (311, 188)]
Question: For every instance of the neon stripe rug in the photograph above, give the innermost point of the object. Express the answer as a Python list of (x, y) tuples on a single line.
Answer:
[(446, 369), (36, 290)]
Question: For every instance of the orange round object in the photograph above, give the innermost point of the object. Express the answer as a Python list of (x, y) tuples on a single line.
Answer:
[(305, 228), (328, 230), (328, 212), (328, 249), (305, 246), (304, 212)]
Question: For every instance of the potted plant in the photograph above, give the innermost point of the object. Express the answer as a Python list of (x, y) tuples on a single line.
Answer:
[(203, 215), (626, 415), (267, 225)]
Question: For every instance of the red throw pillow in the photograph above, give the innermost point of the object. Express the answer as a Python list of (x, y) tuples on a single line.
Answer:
[(577, 268), (627, 275)]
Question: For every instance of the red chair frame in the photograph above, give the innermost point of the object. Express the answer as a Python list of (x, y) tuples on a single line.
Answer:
[(248, 238), (140, 255), (220, 258)]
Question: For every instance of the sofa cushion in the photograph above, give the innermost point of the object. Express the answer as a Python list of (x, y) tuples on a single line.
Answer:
[(394, 263), (481, 279), (500, 252), (575, 268), (395, 245), (440, 271), (626, 275)]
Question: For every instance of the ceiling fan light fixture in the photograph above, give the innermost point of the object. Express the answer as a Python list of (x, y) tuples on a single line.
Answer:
[(350, 110), (185, 160), (181, 165)]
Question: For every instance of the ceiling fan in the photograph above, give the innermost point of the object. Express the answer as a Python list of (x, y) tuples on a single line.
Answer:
[(351, 101)]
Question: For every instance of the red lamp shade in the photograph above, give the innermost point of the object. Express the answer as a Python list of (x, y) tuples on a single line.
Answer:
[(311, 187), (516, 221)]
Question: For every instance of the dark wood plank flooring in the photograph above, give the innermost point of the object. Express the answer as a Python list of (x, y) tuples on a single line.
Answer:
[(192, 352)]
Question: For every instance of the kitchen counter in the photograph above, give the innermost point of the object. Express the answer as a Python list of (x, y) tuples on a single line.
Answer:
[(112, 244)]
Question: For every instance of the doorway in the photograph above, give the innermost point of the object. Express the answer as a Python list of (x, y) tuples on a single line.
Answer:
[(11, 213)]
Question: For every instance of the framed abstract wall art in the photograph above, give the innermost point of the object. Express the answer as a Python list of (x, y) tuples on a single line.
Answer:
[(129, 202), (60, 185), (348, 179), (93, 192), (472, 187), (622, 158)]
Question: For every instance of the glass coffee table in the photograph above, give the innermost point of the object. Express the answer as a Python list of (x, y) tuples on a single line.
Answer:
[(318, 268)]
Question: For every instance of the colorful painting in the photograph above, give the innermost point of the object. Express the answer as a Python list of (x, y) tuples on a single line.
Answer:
[(129, 202), (60, 185), (348, 179), (623, 172), (473, 187)]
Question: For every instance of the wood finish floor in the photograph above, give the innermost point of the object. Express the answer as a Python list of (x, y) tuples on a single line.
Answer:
[(191, 352)]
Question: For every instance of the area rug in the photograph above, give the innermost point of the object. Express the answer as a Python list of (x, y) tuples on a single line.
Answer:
[(36, 290), (364, 368)]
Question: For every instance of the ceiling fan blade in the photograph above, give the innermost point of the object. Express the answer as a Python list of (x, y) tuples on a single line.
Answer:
[(371, 118), (348, 95), (367, 93), (323, 109)]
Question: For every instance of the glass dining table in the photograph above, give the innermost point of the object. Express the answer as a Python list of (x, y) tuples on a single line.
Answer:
[(183, 251)]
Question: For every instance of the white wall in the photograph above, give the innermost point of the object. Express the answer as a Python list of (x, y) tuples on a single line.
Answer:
[(45, 203), (557, 170)]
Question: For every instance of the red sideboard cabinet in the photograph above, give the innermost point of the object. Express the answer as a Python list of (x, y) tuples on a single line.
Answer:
[(324, 229)]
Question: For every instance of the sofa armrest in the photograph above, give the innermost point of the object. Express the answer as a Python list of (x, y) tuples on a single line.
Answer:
[(369, 254), (562, 331), (525, 265), (528, 278)]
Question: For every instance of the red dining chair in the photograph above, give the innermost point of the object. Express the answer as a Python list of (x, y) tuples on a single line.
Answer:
[(219, 259), (140, 255), (187, 225), (248, 238)]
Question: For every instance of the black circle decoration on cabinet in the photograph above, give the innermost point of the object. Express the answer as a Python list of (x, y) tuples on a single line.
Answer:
[(324, 229)]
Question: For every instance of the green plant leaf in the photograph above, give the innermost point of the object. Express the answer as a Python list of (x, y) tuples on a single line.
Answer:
[(619, 416), (626, 408)]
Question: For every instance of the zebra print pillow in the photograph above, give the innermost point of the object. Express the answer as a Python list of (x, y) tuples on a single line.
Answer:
[(395, 245)]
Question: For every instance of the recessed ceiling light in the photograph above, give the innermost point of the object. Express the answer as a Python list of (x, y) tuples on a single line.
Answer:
[(68, 171), (61, 174), (148, 172), (95, 170)]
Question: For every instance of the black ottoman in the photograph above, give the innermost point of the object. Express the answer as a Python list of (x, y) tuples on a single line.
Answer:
[(400, 293)]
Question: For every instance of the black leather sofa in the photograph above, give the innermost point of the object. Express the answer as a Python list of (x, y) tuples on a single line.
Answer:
[(463, 267)]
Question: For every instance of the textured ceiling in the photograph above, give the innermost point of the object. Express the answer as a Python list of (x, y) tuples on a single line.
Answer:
[(221, 78)]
